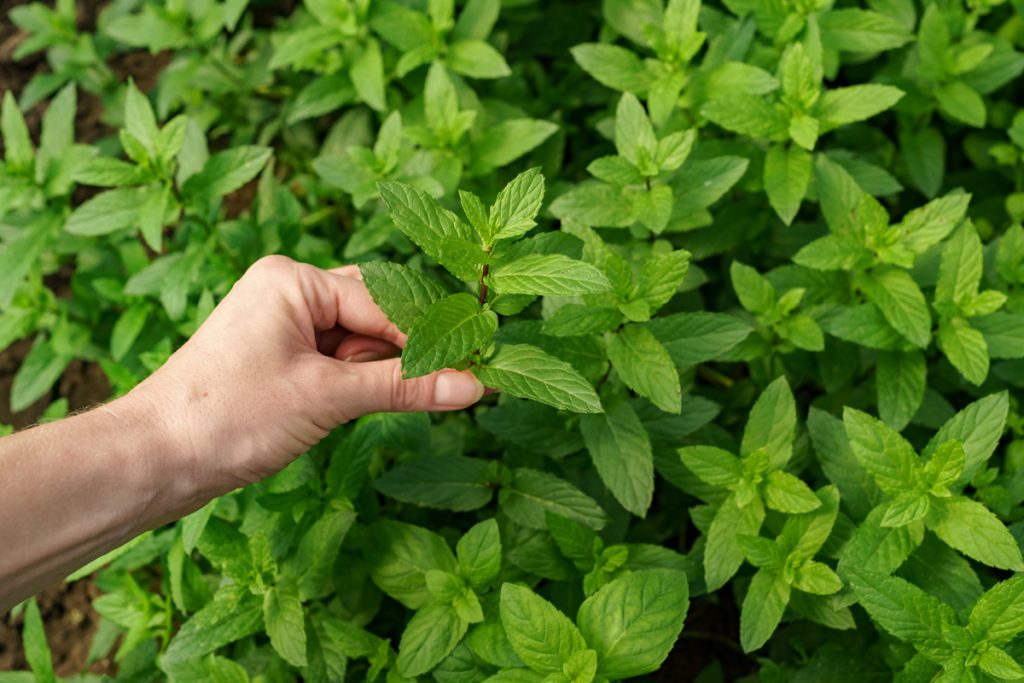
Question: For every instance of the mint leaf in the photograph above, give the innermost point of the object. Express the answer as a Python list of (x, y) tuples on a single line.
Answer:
[(901, 302), (532, 494), (762, 609), (772, 423), (975, 531), (900, 383), (525, 371), (452, 483), (541, 636), (880, 450), (787, 173), (646, 367), (548, 274), (613, 66), (283, 616), (479, 554), (633, 621), (402, 293), (518, 203), (431, 634), (621, 450), (448, 332), (400, 557)]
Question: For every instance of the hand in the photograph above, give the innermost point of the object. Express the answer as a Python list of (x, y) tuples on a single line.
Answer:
[(290, 353)]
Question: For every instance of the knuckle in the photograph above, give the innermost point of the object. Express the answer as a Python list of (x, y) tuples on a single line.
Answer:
[(271, 266), (407, 394)]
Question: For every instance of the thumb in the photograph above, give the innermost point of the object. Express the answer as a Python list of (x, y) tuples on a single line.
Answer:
[(379, 387)]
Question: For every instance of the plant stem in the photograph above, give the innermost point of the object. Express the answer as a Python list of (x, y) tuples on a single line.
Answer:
[(483, 284)]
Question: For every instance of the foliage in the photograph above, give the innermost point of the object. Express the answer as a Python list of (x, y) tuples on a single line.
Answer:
[(747, 275)]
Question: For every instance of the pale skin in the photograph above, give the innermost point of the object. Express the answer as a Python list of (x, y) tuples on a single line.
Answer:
[(290, 353)]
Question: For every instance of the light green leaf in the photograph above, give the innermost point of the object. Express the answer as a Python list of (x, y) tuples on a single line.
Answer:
[(37, 650), (227, 171), (747, 115), (400, 557), (787, 173), (429, 637), (860, 30), (841, 106), (634, 621), (517, 205), (576, 320), (712, 465), (505, 142), (962, 103), (971, 528), (978, 428), (533, 494), (787, 493), (367, 73), (965, 348), (286, 626), (479, 554), (998, 616), (762, 609), (722, 554), (477, 59), (880, 450), (771, 424), (613, 66), (634, 135), (541, 636)]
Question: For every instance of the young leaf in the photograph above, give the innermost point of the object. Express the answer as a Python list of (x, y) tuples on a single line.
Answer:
[(762, 609), (282, 613), (975, 531), (37, 650), (787, 173), (479, 554), (901, 302), (772, 423), (431, 634), (886, 455), (518, 203)]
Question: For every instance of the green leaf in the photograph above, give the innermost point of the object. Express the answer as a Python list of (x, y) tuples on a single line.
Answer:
[(107, 212), (998, 616), (58, 133), (17, 144), (451, 482), (645, 366), (904, 610), (448, 332), (233, 614), (762, 609), (965, 348), (787, 174), (634, 135), (476, 19), (900, 382), (505, 142), (429, 637), (477, 59), (577, 320), (286, 626), (978, 427), (548, 274), (479, 554), (692, 338), (400, 557), (533, 494), (929, 224), (771, 424), (722, 554), (37, 374), (880, 450), (859, 30), (787, 493), (367, 73), (1000, 664), (960, 102), (517, 205), (227, 171), (525, 371), (924, 154), (901, 302), (37, 650), (634, 621), (17, 257), (402, 293), (749, 115), (712, 465), (841, 106), (754, 291), (1003, 332), (541, 636), (971, 528), (613, 66), (139, 119), (621, 451), (817, 578), (960, 269)]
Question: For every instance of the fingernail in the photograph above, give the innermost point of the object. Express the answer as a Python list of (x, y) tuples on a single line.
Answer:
[(457, 389), (363, 357)]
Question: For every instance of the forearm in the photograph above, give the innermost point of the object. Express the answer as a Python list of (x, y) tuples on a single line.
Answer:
[(75, 489)]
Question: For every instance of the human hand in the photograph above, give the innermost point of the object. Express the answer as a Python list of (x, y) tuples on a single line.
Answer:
[(290, 353)]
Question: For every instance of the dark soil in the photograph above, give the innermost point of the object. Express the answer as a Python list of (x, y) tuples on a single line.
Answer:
[(70, 623)]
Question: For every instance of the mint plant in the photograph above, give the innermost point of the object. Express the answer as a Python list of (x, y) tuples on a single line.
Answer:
[(746, 279)]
